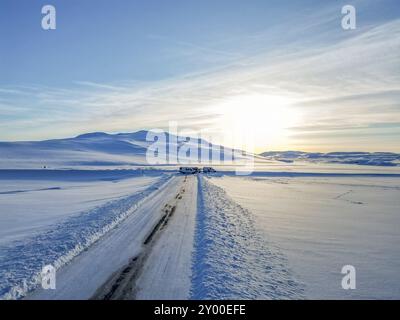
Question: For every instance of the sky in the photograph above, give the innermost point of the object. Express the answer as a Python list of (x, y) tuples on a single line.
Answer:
[(272, 75)]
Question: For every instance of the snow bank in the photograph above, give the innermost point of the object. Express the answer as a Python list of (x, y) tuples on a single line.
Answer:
[(22, 261), (323, 223), (231, 260)]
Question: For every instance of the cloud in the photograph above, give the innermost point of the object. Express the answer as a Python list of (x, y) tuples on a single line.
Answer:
[(351, 82)]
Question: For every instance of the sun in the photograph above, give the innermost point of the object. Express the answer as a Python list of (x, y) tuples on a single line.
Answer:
[(256, 121)]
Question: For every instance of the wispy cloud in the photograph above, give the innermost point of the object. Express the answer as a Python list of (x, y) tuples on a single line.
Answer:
[(352, 83)]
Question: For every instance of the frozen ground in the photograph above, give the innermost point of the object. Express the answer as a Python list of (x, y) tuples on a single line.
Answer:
[(232, 260), (319, 224), (167, 272), (50, 218), (91, 274), (31, 201), (283, 232)]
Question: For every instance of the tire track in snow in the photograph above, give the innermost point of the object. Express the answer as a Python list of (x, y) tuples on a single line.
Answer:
[(166, 273), (22, 261), (121, 285), (231, 260)]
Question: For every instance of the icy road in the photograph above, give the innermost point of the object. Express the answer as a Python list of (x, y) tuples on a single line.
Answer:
[(159, 235)]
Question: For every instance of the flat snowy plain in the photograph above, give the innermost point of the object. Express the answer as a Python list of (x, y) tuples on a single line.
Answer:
[(321, 224), (123, 230), (51, 217), (270, 235)]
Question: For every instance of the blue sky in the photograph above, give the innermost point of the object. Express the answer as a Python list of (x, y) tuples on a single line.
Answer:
[(126, 65)]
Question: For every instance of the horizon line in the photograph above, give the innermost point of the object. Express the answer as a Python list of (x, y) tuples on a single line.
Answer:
[(114, 133)]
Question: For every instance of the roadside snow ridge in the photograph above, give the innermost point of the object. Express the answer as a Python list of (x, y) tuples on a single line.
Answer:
[(21, 262), (231, 260)]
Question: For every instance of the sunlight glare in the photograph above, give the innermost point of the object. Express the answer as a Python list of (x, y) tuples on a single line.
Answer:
[(259, 120)]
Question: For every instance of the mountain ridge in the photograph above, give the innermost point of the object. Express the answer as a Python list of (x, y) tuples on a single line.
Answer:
[(96, 148), (350, 157)]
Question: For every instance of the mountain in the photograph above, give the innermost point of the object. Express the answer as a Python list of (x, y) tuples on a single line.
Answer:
[(98, 149), (359, 158)]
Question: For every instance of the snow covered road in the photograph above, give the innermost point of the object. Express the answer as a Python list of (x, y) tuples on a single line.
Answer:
[(219, 236), (91, 269), (167, 272)]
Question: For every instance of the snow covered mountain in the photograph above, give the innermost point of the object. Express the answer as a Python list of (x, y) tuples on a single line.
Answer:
[(99, 149), (359, 158), (95, 149)]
